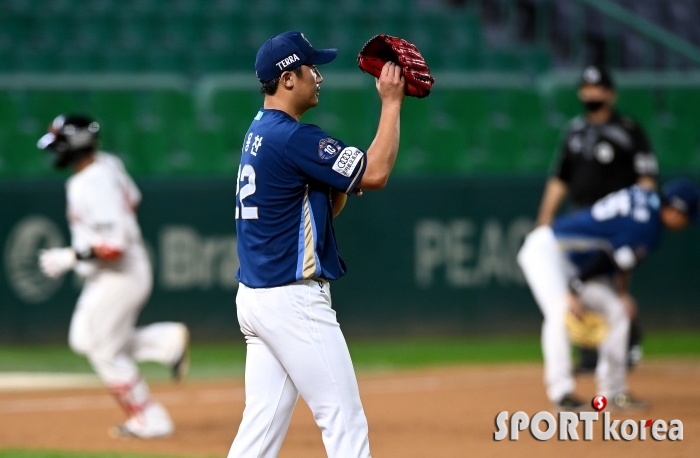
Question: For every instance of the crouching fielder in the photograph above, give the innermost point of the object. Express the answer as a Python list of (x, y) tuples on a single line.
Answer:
[(573, 265), (108, 250)]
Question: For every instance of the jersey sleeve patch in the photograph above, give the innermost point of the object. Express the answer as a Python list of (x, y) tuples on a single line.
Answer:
[(347, 161), (646, 164), (328, 148)]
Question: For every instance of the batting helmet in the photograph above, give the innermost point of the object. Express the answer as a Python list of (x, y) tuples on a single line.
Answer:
[(684, 196), (72, 138)]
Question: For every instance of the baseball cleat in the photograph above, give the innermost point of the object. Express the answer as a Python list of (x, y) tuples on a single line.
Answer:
[(120, 432), (624, 401), (181, 367), (570, 403), (153, 423), (124, 432)]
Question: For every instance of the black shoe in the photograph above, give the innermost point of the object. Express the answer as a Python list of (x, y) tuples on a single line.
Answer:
[(570, 403), (624, 401)]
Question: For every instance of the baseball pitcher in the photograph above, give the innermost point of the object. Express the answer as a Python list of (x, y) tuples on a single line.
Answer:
[(107, 249), (294, 179)]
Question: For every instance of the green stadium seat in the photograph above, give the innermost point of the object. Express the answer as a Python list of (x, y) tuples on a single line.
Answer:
[(684, 104), (223, 8), (183, 8), (264, 29), (142, 8), (13, 30), (133, 33), (677, 146), (10, 109), (468, 110), (418, 149), (120, 139), (211, 151), (350, 115), (5, 164), (536, 156), (178, 33), (33, 61), (122, 61), (535, 59), (501, 60), (115, 109), (21, 157), (550, 142), (205, 61), (92, 32), (171, 109), (75, 61), (118, 114), (221, 35), (159, 60), (97, 9), (505, 148), (449, 141), (48, 33), (348, 36), (146, 151), (564, 102), (44, 106), (235, 109), (524, 106), (639, 103), (7, 60)]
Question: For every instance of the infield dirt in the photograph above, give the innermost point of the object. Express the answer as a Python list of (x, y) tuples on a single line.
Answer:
[(438, 412)]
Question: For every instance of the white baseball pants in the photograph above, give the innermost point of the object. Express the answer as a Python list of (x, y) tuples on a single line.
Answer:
[(103, 329), (295, 346), (547, 272)]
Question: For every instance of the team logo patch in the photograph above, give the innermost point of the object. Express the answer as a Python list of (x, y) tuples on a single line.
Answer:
[(347, 161), (328, 148), (604, 152)]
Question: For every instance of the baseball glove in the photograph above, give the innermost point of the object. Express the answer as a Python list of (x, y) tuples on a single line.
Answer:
[(589, 331), (381, 49)]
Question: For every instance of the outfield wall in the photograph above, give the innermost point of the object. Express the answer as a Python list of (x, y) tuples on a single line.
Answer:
[(426, 255)]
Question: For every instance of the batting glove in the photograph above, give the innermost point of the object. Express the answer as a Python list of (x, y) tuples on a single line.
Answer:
[(57, 261)]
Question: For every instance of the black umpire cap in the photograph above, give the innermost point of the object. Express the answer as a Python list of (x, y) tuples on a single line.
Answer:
[(597, 76)]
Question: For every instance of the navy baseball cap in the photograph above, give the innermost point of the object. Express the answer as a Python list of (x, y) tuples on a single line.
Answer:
[(684, 196), (288, 51)]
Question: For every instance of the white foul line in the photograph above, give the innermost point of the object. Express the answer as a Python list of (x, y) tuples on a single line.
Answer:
[(230, 395)]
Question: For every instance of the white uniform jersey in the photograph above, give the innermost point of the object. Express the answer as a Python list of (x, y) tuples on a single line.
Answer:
[(102, 200)]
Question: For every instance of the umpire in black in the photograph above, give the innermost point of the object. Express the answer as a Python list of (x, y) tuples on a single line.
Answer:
[(602, 151)]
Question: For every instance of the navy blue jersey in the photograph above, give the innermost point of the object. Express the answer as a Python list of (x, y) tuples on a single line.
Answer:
[(283, 206), (626, 224)]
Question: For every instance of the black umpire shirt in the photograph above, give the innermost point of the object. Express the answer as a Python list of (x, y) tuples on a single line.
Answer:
[(597, 159)]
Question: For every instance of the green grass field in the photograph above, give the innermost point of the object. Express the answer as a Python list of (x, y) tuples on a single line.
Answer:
[(224, 360)]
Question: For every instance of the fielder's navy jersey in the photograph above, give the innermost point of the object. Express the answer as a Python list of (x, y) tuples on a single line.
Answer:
[(283, 207), (626, 224)]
